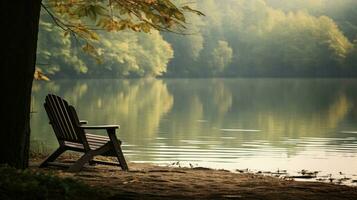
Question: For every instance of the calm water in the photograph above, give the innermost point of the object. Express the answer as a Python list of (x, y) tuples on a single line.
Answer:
[(264, 124)]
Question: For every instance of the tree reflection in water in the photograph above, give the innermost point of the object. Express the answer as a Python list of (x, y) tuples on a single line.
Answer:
[(204, 119)]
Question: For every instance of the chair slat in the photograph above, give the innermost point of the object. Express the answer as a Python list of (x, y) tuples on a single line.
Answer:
[(80, 132), (62, 119), (56, 118), (54, 125), (72, 132)]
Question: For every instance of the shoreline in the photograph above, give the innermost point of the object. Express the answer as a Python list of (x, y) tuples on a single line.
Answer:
[(147, 181), (340, 178), (305, 174)]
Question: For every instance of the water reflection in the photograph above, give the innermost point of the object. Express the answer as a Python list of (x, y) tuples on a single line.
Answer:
[(231, 123), (137, 104)]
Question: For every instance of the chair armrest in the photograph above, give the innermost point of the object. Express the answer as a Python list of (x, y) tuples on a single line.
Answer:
[(107, 127), (83, 122)]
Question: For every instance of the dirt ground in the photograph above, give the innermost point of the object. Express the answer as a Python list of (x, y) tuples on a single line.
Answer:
[(146, 181)]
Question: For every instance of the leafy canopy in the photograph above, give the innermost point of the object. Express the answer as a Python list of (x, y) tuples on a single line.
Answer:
[(128, 54), (81, 18)]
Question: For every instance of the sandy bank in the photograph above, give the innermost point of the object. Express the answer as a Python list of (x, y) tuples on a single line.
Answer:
[(146, 181)]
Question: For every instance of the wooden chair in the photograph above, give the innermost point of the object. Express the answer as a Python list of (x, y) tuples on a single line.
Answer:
[(71, 135)]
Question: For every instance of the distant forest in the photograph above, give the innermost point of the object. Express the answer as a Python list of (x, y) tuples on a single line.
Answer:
[(236, 38)]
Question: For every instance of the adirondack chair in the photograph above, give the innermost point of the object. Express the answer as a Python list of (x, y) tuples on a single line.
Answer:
[(72, 135)]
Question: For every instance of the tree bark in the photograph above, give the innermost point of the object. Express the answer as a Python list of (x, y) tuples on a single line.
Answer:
[(19, 22)]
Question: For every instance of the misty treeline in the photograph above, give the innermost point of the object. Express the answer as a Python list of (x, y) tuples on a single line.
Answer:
[(236, 38)]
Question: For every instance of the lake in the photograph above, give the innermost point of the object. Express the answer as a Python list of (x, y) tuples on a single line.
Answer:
[(262, 124)]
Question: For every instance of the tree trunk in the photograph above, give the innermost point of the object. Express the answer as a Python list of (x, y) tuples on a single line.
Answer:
[(19, 28)]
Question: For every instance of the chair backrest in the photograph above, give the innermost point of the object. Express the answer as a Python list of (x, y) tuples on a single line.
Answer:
[(63, 124)]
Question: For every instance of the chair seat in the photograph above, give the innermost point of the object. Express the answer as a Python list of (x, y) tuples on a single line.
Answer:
[(94, 141)]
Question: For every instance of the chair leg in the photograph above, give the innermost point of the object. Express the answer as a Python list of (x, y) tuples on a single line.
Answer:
[(121, 159), (78, 165), (53, 156), (118, 152)]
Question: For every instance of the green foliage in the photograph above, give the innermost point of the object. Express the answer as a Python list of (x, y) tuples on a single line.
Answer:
[(296, 5), (81, 19), (121, 55), (56, 53), (27, 184), (267, 38), (128, 54), (221, 57), (304, 45), (236, 38)]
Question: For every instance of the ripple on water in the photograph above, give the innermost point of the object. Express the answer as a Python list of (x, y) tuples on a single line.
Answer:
[(238, 130)]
